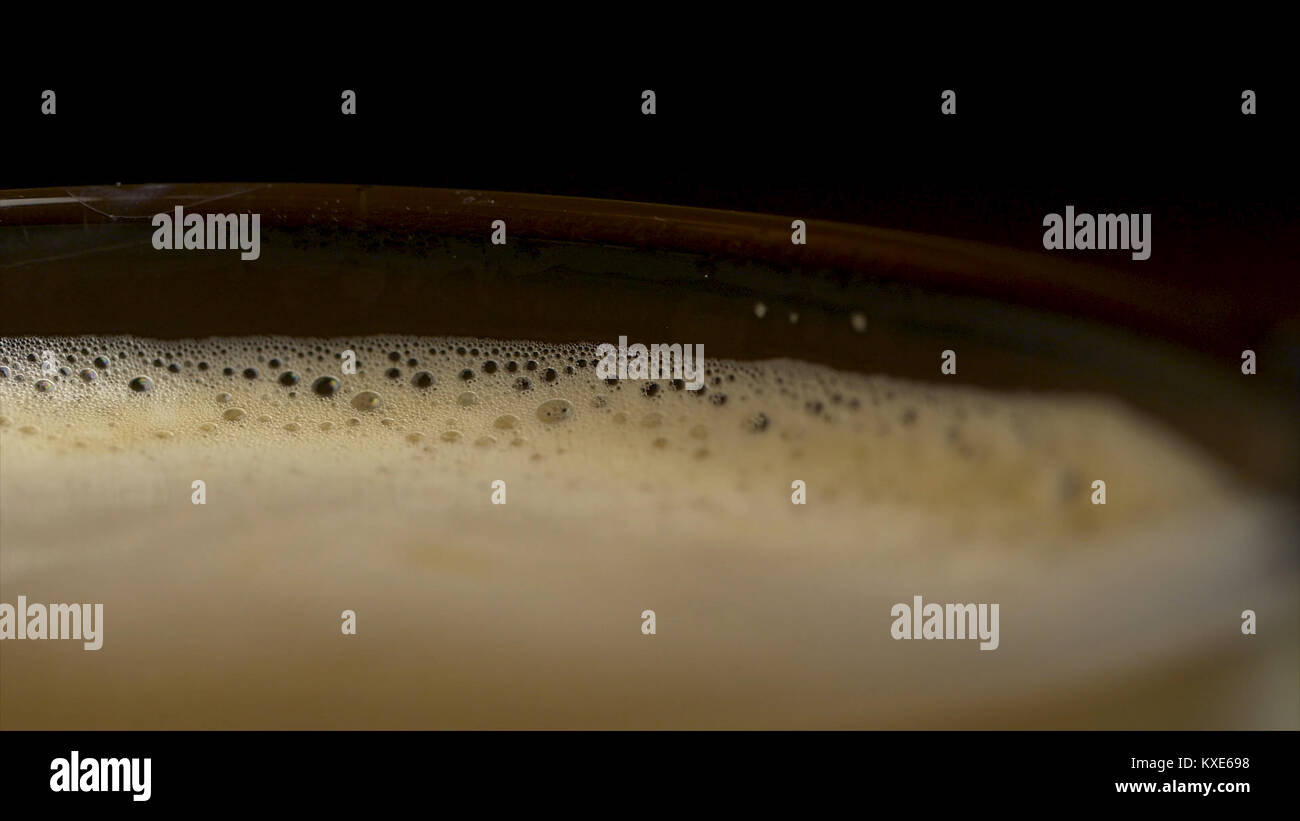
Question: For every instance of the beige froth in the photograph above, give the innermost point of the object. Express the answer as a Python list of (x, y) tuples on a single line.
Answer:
[(528, 614)]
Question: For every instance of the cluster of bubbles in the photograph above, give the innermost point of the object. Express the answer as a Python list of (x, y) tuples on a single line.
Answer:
[(471, 372), (468, 397), (513, 389)]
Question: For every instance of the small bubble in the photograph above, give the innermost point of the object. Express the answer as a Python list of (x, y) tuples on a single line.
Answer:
[(223, 397), (353, 421), (423, 379), (757, 423), (523, 383), (859, 321), (233, 414), (163, 434), (325, 386), (44, 386), (289, 378), (760, 310), (485, 441), (141, 384), (451, 436), (207, 427), (100, 362), (467, 398), (87, 375), (554, 410), (506, 422), (393, 373), (414, 437), (367, 401), (466, 375), (250, 373), (291, 427), (490, 366)]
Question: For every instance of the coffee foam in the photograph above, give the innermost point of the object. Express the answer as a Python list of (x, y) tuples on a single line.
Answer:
[(459, 403), (620, 497)]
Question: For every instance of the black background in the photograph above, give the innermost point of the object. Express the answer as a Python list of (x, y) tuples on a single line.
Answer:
[(839, 140), (616, 774)]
